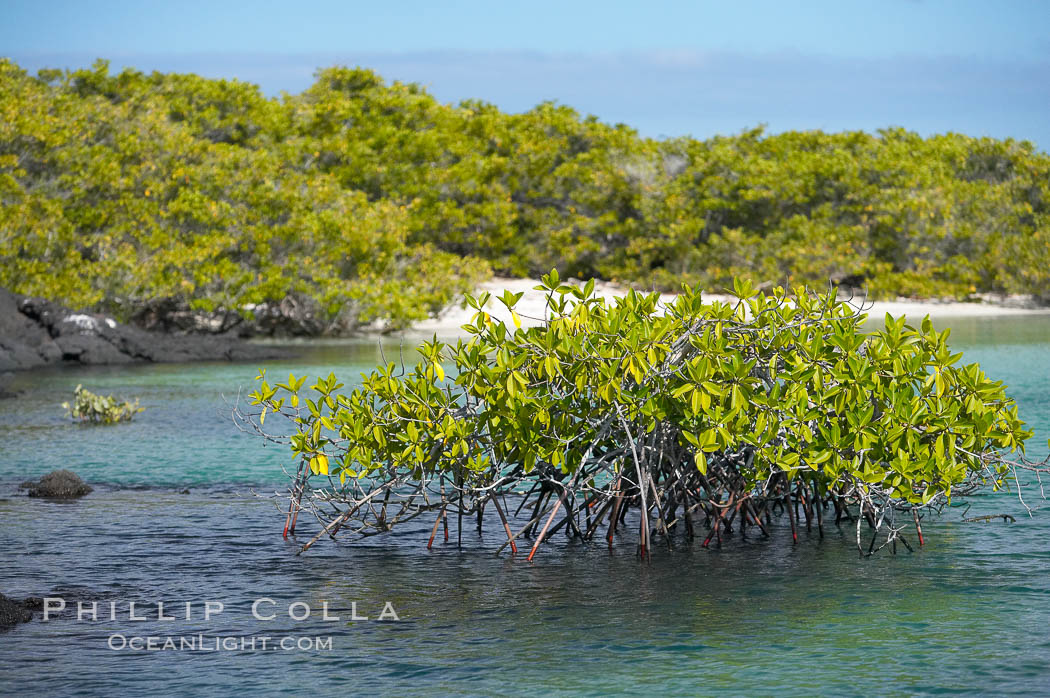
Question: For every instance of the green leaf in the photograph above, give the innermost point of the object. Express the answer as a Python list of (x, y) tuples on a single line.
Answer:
[(701, 462)]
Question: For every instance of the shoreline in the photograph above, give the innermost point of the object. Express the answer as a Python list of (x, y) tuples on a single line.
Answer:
[(531, 307), (36, 333), (41, 334)]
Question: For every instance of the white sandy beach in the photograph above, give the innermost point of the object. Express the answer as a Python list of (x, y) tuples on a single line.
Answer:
[(533, 303)]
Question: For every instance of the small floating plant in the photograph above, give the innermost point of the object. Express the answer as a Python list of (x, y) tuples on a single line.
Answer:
[(699, 417), (87, 407)]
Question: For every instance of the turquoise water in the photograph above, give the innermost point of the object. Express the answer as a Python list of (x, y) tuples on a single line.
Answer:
[(968, 613)]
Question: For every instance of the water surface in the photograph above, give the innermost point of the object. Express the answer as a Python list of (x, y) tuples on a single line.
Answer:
[(968, 613)]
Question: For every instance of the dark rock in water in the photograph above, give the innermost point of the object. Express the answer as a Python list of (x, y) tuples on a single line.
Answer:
[(33, 603), (185, 490), (36, 332), (13, 612), (58, 484)]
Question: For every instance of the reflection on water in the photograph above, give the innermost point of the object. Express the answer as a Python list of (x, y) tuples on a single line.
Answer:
[(968, 613)]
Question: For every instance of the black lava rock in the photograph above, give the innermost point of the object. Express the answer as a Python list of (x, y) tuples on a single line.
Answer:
[(58, 484), (36, 332), (13, 612)]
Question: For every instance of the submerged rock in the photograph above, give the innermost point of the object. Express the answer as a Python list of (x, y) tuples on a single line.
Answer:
[(13, 612), (58, 484)]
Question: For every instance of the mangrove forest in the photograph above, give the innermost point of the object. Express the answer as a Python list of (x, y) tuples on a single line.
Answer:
[(153, 197)]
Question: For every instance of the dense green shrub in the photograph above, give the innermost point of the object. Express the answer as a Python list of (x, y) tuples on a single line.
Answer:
[(122, 191), (693, 405)]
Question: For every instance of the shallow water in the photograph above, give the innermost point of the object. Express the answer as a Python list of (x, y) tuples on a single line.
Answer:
[(970, 612)]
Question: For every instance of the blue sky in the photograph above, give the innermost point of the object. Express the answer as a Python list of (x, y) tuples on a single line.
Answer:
[(666, 68)]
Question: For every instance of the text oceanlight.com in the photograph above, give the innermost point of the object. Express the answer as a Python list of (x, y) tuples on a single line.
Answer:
[(228, 643)]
